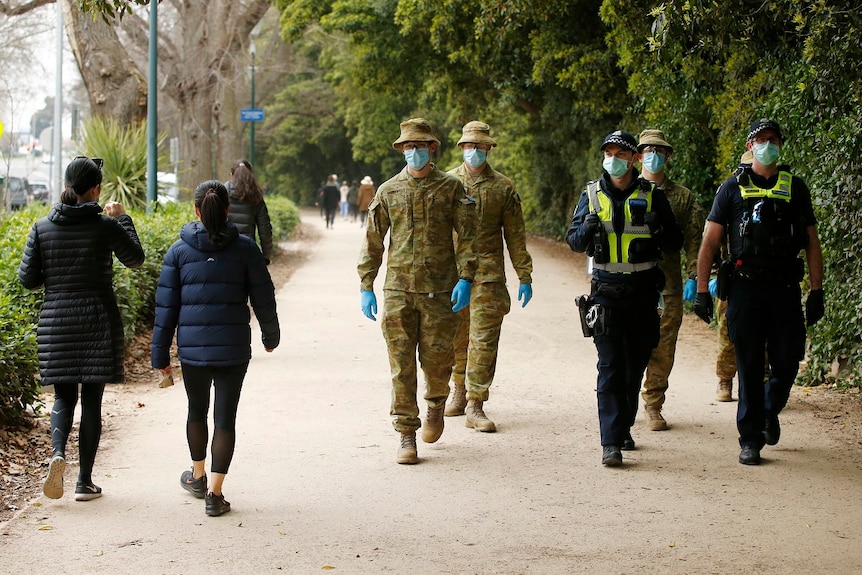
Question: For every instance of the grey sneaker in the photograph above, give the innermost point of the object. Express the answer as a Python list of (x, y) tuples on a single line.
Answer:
[(87, 491), (53, 487), (197, 487)]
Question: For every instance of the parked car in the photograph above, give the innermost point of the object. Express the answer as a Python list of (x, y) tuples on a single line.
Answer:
[(39, 192), (19, 191)]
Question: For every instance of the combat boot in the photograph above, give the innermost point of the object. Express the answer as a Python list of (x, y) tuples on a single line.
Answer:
[(407, 452), (476, 418), (457, 401), (724, 391), (655, 421), (432, 429)]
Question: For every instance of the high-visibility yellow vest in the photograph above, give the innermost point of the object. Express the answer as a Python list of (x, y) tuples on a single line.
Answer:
[(635, 249)]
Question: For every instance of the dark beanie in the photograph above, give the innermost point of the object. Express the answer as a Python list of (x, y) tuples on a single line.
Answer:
[(82, 174)]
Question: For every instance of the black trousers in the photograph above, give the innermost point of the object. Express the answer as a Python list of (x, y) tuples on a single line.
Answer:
[(633, 332), (764, 317)]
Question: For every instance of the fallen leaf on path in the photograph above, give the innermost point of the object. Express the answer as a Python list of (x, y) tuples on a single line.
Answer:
[(45, 528)]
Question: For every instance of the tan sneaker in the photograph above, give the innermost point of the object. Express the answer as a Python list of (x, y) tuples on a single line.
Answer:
[(655, 421), (724, 391), (407, 452)]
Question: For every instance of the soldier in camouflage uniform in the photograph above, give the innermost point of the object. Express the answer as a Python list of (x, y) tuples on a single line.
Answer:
[(656, 150), (426, 273), (499, 208)]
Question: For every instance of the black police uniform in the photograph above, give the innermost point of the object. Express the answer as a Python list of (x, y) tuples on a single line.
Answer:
[(629, 299), (767, 231)]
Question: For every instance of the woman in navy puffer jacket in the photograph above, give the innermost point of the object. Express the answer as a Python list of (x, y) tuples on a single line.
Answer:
[(208, 278)]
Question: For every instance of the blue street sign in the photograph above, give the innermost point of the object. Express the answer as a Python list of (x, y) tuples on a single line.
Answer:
[(251, 115)]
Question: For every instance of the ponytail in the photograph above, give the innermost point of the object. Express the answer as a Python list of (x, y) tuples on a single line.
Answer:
[(211, 200), (69, 197)]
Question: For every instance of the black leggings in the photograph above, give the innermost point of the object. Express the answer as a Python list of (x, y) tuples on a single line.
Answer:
[(90, 431), (228, 385)]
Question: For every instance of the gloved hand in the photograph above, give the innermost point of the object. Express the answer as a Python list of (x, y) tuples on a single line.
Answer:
[(461, 295), (703, 306), (525, 292), (591, 223), (368, 302), (713, 287), (651, 221), (814, 308), (689, 290)]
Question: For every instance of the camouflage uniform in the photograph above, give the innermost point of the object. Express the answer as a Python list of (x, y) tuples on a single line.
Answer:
[(498, 207), (690, 218), (725, 362), (423, 266)]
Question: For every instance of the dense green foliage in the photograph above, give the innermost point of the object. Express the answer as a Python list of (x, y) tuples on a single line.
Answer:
[(135, 290), (552, 78)]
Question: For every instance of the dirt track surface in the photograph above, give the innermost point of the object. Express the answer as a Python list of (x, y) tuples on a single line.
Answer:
[(314, 484)]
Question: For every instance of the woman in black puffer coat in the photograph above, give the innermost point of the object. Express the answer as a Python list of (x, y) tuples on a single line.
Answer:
[(248, 211), (80, 332), (208, 278)]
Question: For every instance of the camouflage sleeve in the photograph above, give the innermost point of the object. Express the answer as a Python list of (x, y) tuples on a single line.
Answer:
[(371, 254), (516, 237), (692, 235), (465, 227)]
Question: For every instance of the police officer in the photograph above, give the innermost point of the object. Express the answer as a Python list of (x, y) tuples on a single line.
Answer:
[(655, 151), (768, 216), (499, 210), (428, 278), (624, 222)]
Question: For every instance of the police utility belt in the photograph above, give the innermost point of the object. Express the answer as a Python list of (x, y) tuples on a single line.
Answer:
[(594, 316)]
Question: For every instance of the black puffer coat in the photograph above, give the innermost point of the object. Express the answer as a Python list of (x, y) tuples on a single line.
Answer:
[(203, 296), (250, 218), (80, 332)]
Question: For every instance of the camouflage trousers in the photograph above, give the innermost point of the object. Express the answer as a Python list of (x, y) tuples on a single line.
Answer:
[(477, 338), (423, 323), (725, 362), (661, 361)]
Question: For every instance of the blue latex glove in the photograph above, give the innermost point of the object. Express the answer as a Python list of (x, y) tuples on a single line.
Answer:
[(369, 304), (713, 287), (461, 295), (689, 290), (525, 292)]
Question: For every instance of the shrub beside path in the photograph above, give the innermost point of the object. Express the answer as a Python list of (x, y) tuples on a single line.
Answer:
[(314, 484)]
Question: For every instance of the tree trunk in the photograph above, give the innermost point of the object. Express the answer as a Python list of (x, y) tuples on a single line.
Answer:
[(115, 87)]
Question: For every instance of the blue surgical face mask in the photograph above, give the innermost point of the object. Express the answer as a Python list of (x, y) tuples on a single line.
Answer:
[(653, 162), (615, 166), (766, 153), (475, 157), (417, 158)]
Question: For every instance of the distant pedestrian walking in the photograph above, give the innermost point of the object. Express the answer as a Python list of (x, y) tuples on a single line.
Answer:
[(366, 194), (248, 210), (331, 198)]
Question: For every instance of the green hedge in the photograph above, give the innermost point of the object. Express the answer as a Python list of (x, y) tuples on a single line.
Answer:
[(135, 289)]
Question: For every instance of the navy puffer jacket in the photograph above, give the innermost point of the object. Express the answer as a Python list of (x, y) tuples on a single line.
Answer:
[(203, 295), (80, 331)]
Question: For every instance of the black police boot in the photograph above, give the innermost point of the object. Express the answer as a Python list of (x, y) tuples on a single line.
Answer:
[(749, 455), (772, 430)]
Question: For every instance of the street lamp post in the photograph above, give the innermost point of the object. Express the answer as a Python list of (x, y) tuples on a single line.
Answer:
[(251, 128)]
